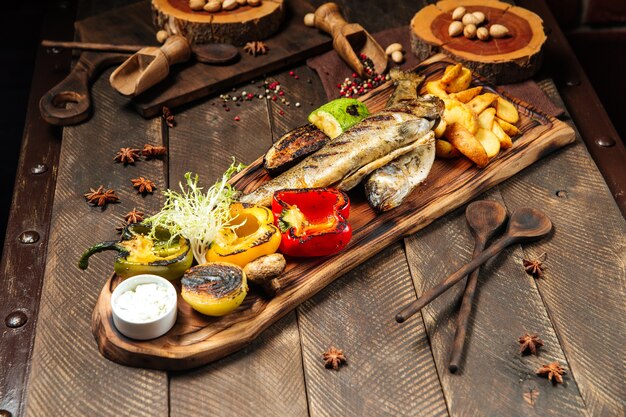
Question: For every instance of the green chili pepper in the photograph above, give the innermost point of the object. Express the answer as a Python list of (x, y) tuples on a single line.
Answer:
[(140, 254)]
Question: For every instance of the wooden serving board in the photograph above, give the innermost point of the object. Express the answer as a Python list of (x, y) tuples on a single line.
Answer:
[(196, 339), (187, 82)]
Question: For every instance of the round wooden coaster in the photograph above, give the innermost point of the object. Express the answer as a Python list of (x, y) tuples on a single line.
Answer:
[(244, 24), (505, 60)]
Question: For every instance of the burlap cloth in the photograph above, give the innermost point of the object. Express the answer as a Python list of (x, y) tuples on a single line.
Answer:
[(332, 70)]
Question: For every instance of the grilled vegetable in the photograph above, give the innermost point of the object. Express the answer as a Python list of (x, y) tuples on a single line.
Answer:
[(140, 254), (292, 147), (215, 288), (313, 222), (335, 117), (264, 271), (250, 235)]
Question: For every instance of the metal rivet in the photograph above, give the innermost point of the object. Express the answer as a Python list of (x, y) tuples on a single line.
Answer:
[(5, 413), (29, 237), (38, 169), (16, 319), (561, 194), (605, 142), (572, 83)]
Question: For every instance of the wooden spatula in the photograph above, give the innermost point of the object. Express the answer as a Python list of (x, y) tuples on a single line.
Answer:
[(350, 39), (149, 66)]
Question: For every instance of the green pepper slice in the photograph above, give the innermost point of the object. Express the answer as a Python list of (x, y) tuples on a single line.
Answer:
[(140, 254)]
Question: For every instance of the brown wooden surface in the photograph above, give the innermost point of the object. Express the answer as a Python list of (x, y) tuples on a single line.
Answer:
[(515, 57), (189, 82), (197, 339), (589, 329)]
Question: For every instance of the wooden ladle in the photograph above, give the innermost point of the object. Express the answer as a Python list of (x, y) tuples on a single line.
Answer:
[(350, 39), (149, 66), (486, 219), (526, 224)]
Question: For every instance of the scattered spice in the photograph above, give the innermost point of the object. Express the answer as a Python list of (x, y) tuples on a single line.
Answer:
[(150, 151), (143, 185), (134, 216), (333, 358), (358, 86), (529, 343), (256, 48), (101, 197), (237, 118), (127, 155), (553, 371), (168, 117), (535, 267)]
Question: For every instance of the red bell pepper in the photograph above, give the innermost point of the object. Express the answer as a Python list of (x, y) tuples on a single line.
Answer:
[(313, 221)]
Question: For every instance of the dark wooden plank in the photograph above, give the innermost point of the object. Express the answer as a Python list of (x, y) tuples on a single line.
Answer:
[(265, 378), (68, 375), (583, 289), (23, 264), (494, 379), (390, 369), (596, 129)]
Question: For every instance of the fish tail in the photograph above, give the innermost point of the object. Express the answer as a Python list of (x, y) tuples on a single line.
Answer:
[(397, 74)]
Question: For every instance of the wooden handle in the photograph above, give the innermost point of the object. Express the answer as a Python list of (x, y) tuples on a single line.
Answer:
[(74, 89), (442, 287), (329, 19), (90, 46), (176, 49), (69, 102), (466, 308)]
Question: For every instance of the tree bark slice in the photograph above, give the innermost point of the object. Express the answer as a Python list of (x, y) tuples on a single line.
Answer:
[(244, 24), (505, 60)]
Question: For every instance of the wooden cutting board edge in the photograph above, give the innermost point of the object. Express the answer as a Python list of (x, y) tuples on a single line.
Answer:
[(117, 348)]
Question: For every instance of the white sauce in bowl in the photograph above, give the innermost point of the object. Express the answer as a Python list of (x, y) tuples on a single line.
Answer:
[(147, 302)]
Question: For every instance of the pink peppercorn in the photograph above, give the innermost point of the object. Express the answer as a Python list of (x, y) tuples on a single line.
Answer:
[(237, 118)]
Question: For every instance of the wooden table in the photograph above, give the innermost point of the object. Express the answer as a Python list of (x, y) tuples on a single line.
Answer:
[(49, 361)]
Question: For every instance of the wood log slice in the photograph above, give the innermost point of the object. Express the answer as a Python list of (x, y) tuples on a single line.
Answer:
[(513, 58), (238, 26)]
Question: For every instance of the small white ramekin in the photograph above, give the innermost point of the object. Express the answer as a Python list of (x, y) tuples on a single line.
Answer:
[(147, 329)]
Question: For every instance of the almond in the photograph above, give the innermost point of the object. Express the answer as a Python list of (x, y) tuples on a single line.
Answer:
[(397, 57), (393, 48), (480, 17), (482, 33), (469, 19), (309, 20), (458, 13), (455, 28), (498, 31), (470, 31)]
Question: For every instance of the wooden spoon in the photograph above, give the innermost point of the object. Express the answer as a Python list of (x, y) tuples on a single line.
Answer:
[(485, 219), (350, 39), (526, 224), (149, 66), (207, 53)]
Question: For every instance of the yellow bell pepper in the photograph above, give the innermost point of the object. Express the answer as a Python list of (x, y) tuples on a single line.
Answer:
[(250, 235)]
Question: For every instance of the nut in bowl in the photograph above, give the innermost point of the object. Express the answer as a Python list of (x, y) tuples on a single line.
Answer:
[(144, 306)]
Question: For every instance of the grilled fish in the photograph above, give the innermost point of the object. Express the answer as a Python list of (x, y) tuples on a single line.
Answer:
[(344, 161), (390, 185)]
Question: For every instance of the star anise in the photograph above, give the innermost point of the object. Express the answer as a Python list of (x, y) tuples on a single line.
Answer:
[(553, 371), (101, 197), (168, 117), (127, 155), (256, 48), (143, 185), (150, 151), (535, 267), (134, 216), (333, 358), (529, 343)]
